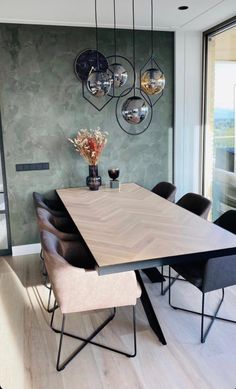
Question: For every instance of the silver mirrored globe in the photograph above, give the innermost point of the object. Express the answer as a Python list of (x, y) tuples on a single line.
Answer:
[(120, 75), (99, 83), (134, 110), (152, 81)]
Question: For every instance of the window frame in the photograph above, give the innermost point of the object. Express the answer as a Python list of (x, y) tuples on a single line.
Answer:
[(8, 250), (218, 29)]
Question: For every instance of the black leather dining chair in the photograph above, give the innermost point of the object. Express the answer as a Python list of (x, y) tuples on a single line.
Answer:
[(64, 229), (165, 190), (197, 204), (54, 206), (210, 275)]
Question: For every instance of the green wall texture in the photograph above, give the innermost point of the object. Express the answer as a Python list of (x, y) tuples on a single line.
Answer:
[(42, 104)]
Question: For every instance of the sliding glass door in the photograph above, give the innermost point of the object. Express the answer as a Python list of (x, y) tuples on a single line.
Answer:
[(220, 119), (5, 241)]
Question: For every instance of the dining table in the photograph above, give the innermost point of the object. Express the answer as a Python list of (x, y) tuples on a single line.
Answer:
[(131, 228)]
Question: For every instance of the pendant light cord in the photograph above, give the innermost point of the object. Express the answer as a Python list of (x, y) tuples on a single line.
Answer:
[(134, 65), (114, 11), (96, 24), (152, 33)]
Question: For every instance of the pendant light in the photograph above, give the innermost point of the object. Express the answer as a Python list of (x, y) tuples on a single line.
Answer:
[(153, 79), (99, 82), (134, 109), (120, 74)]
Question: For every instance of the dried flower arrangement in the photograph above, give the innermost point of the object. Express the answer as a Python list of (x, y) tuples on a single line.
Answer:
[(90, 144)]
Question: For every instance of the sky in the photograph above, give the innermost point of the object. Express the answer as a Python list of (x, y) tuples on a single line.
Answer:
[(225, 85)]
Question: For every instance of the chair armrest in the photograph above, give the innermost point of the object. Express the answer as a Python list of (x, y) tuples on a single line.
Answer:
[(91, 291), (80, 290), (219, 273)]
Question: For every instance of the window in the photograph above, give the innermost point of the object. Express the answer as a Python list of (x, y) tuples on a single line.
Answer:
[(219, 172)]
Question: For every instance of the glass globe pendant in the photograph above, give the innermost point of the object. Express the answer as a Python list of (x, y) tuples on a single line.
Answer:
[(152, 81), (120, 75), (134, 110), (99, 83)]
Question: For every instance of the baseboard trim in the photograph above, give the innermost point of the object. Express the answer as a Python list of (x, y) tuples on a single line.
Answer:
[(26, 249)]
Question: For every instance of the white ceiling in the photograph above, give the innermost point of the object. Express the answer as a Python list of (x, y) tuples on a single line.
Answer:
[(201, 15)]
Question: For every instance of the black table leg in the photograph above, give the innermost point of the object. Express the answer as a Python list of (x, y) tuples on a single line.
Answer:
[(154, 275), (148, 308)]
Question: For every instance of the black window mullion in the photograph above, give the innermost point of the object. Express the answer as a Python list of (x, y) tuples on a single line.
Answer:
[(8, 250)]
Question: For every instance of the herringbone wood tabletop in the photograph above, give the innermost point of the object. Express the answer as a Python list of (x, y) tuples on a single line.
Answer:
[(134, 224)]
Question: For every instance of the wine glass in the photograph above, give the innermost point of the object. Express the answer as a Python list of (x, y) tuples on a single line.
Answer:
[(114, 173)]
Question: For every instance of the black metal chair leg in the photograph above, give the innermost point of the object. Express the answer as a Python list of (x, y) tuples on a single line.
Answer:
[(173, 279), (46, 281), (202, 318), (213, 317), (49, 298), (203, 315), (41, 254), (53, 313), (50, 310), (169, 289), (162, 286), (61, 366), (44, 270), (135, 333)]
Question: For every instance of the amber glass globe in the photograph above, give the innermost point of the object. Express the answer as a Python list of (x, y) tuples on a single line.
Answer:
[(99, 83), (134, 110), (152, 81)]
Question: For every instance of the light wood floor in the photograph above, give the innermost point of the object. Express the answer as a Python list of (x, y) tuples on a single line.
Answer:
[(28, 346)]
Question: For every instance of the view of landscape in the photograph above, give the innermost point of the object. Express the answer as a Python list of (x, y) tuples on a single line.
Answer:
[(224, 183)]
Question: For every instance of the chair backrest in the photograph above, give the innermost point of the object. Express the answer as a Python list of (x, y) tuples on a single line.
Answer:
[(221, 272), (195, 203), (227, 221), (165, 190), (59, 226), (74, 252), (77, 289), (53, 206)]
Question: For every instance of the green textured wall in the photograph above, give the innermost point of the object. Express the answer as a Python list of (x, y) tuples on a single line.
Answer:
[(42, 105)]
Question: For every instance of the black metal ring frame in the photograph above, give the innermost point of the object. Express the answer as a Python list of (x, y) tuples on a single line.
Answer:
[(97, 55), (84, 89), (130, 63), (150, 59), (117, 118)]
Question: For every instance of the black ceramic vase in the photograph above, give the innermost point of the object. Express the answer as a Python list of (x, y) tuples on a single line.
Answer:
[(93, 181)]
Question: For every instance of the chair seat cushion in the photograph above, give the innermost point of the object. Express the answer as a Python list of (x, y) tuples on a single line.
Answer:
[(192, 272)]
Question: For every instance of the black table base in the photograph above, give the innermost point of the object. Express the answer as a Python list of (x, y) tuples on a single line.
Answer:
[(150, 313), (154, 275)]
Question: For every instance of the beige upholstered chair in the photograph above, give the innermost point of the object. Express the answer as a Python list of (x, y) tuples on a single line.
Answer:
[(78, 290)]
